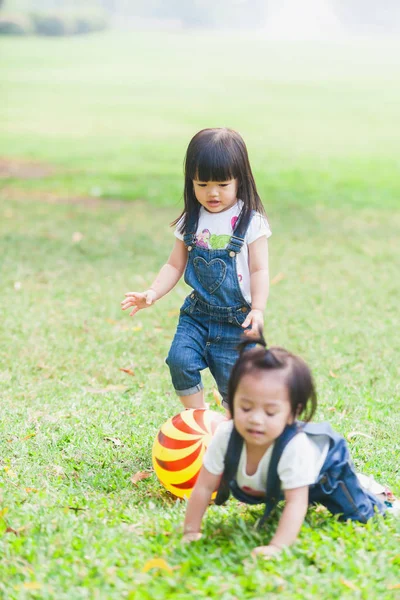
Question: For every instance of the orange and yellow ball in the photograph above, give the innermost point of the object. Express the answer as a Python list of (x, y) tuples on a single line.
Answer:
[(179, 448)]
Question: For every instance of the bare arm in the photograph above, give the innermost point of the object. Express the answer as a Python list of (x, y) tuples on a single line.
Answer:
[(259, 284), (167, 278), (296, 504), (200, 498)]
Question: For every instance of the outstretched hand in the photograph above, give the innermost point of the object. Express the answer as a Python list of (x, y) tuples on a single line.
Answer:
[(266, 551), (254, 320), (138, 300)]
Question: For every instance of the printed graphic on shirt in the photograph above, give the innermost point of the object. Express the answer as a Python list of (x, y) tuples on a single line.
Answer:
[(211, 241)]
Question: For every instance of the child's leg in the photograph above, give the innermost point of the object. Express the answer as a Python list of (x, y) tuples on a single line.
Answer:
[(194, 400), (222, 354), (186, 359)]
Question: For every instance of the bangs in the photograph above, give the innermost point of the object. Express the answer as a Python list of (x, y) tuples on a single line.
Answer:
[(214, 162)]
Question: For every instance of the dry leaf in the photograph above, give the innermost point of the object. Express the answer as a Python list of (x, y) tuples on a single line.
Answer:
[(139, 476), (115, 441), (332, 374), (158, 329), (29, 490), (77, 237), (11, 530), (173, 313), (353, 434), (32, 585), (216, 396), (157, 563), (331, 408), (396, 586), (277, 278), (348, 584), (30, 435), (128, 371)]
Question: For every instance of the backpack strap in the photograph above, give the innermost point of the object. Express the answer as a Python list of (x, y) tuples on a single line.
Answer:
[(273, 491), (232, 457)]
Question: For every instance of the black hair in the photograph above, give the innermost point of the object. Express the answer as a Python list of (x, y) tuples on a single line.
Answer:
[(298, 378), (218, 154)]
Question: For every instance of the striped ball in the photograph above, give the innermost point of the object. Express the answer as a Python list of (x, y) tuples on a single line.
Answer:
[(179, 448)]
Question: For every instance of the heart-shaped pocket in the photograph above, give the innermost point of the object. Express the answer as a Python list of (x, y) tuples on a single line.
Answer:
[(210, 274)]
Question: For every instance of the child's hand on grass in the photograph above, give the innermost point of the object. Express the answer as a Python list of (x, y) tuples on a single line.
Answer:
[(191, 537), (138, 300), (266, 551)]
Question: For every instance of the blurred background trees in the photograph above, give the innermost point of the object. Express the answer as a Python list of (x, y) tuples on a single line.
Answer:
[(354, 16)]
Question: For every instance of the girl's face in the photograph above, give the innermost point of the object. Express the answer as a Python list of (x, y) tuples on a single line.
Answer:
[(216, 196), (262, 407)]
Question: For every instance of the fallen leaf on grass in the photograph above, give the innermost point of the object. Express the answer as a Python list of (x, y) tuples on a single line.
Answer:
[(30, 435), (157, 563), (29, 490), (332, 374), (353, 434), (158, 329), (277, 278), (115, 441), (348, 584), (127, 370), (32, 585), (396, 586), (11, 530), (9, 472), (173, 313), (139, 476), (77, 237), (216, 396)]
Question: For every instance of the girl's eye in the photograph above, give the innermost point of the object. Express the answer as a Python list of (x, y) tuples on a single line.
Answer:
[(223, 184), (269, 414), (245, 409), (202, 184)]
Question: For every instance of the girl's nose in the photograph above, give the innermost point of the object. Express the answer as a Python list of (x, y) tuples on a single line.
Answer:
[(255, 418), (213, 192)]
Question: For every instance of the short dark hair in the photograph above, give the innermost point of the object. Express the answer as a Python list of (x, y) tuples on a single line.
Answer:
[(218, 154), (298, 378)]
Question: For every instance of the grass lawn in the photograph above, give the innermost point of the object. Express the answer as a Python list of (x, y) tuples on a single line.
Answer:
[(93, 133)]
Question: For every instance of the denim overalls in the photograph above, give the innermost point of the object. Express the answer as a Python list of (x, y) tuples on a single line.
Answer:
[(210, 322), (337, 486)]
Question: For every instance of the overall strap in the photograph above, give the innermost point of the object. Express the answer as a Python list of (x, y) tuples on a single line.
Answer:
[(273, 482), (232, 457), (189, 236), (239, 233)]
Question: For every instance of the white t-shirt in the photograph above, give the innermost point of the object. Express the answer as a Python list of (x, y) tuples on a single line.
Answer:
[(214, 231), (299, 465)]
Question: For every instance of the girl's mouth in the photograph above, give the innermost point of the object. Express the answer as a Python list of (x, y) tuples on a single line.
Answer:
[(255, 432)]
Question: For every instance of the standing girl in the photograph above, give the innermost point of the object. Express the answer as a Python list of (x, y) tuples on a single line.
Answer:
[(221, 246), (265, 452)]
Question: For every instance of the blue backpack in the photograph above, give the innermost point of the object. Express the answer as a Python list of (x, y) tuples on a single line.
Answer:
[(337, 486)]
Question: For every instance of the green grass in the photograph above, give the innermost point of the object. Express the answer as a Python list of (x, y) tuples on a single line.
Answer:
[(112, 116)]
